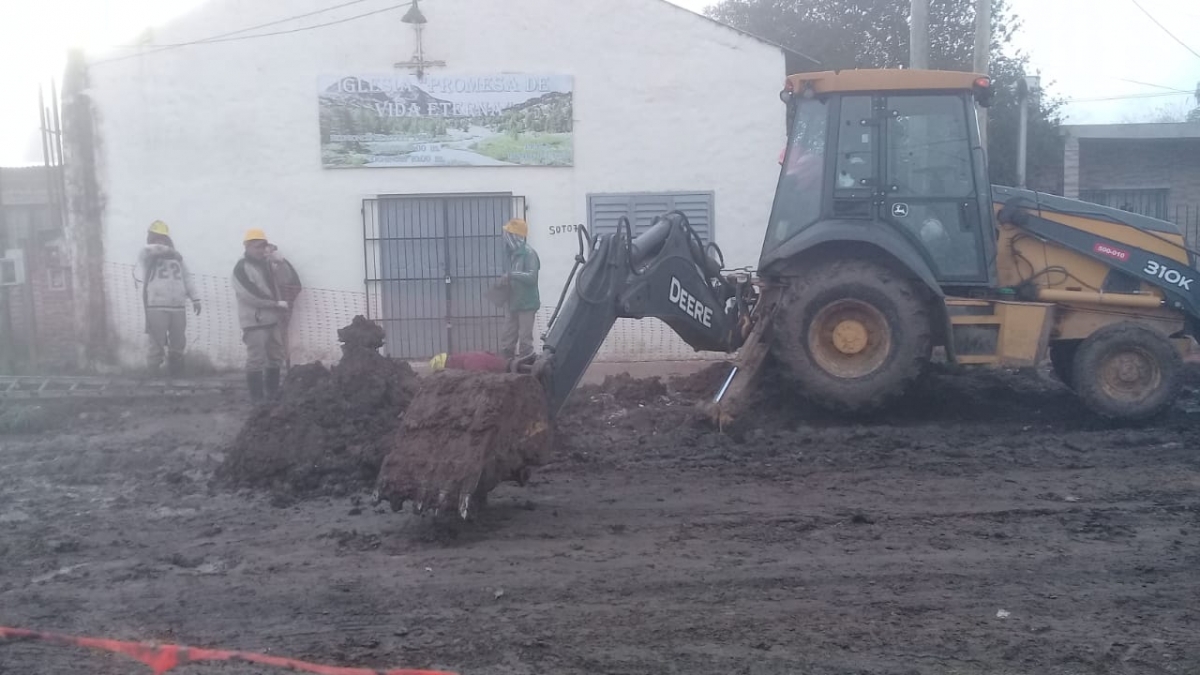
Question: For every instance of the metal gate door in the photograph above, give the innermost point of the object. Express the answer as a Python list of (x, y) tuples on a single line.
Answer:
[(429, 262)]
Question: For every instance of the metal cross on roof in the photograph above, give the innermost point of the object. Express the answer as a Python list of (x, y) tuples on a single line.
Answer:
[(418, 62)]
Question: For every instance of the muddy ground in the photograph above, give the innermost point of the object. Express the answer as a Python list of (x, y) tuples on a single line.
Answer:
[(987, 526)]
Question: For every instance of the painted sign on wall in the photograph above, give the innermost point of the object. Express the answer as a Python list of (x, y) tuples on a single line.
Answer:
[(396, 120)]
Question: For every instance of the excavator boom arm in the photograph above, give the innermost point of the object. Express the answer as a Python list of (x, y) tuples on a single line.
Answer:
[(666, 273)]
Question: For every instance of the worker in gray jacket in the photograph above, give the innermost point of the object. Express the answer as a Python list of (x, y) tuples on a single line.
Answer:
[(166, 291), (261, 311)]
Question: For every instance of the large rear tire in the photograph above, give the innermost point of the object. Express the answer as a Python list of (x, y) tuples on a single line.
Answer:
[(853, 334), (1127, 372)]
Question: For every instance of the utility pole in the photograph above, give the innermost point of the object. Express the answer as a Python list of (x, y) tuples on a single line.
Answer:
[(918, 35), (1026, 88), (6, 342), (983, 53)]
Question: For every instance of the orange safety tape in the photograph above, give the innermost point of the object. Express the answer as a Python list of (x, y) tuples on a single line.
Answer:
[(163, 658)]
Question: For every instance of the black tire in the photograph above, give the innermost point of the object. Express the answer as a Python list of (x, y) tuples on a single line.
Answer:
[(854, 288), (1127, 372), (1062, 360)]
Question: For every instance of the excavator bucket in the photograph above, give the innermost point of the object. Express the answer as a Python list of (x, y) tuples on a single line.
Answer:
[(463, 434), (736, 389)]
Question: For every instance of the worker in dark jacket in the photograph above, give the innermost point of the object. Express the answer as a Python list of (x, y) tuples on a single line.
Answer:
[(522, 283), (261, 310)]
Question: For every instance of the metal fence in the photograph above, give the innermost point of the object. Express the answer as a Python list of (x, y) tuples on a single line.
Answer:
[(215, 337), (1148, 202), (1153, 202), (1187, 218)]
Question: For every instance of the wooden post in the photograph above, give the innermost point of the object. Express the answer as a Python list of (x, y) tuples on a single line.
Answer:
[(6, 343)]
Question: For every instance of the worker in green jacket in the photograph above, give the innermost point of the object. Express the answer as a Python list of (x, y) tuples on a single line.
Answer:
[(522, 283)]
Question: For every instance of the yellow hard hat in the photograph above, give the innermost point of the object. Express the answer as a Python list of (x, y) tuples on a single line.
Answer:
[(437, 363), (518, 227), (253, 234), (159, 227)]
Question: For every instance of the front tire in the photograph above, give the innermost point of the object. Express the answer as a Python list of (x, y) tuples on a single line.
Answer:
[(853, 334), (1127, 372)]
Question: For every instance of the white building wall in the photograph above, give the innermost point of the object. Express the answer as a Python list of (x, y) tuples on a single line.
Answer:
[(216, 138)]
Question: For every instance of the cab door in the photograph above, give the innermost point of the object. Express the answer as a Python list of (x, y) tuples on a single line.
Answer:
[(931, 190)]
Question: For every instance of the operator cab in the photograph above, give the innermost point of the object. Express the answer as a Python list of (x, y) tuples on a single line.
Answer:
[(895, 149)]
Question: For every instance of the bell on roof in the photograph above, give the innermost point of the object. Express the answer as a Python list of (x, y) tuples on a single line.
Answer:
[(414, 15)]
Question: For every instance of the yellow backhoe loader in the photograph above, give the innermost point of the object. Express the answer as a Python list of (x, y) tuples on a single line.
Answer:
[(887, 241)]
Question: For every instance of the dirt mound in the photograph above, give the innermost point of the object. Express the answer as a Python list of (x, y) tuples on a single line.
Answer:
[(463, 435), (942, 394), (624, 387), (618, 390), (328, 432), (362, 333)]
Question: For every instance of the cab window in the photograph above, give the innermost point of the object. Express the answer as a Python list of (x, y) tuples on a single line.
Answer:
[(802, 176), (929, 154), (930, 182)]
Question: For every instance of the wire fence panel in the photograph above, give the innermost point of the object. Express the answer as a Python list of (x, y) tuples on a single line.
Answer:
[(215, 338)]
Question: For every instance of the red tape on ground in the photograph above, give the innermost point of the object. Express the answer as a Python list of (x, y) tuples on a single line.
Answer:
[(163, 658)]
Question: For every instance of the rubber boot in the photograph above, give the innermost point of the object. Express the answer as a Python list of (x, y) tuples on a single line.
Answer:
[(175, 365), (255, 382), (272, 384)]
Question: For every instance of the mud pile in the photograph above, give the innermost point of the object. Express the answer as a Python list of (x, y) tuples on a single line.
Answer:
[(617, 391), (463, 435), (703, 384), (328, 433)]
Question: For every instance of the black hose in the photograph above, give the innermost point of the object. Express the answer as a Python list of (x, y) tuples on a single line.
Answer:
[(720, 254), (584, 238), (578, 287)]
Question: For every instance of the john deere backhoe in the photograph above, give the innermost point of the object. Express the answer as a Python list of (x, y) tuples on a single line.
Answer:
[(886, 240)]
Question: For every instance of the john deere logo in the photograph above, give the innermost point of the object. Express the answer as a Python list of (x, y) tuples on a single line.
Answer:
[(899, 210)]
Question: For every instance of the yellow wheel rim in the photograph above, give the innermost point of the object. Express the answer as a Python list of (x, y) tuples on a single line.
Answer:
[(849, 338)]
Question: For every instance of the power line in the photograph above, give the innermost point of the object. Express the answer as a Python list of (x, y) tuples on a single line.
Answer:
[(1156, 86), (303, 28), (1128, 97), (261, 25), (1151, 17), (233, 36)]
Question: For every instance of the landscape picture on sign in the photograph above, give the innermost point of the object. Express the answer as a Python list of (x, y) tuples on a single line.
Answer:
[(485, 120)]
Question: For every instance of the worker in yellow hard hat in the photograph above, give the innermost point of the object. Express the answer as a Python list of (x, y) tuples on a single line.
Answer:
[(167, 289), (262, 309), (523, 297)]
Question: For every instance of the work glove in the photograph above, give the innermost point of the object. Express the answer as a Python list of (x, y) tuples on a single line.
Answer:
[(196, 307)]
